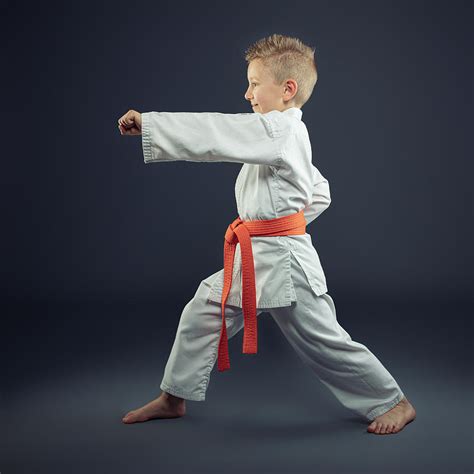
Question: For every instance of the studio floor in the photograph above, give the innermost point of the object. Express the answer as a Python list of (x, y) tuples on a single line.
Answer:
[(73, 370)]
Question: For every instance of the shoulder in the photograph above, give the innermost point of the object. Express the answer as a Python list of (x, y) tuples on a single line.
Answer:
[(281, 124)]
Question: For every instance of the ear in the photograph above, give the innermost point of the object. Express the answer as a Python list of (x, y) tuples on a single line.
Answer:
[(291, 88)]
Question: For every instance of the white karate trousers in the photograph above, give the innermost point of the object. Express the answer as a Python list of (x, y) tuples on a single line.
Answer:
[(351, 372)]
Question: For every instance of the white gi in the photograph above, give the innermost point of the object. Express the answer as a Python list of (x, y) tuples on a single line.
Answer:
[(277, 179)]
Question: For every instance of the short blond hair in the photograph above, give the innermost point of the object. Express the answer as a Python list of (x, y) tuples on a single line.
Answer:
[(286, 57)]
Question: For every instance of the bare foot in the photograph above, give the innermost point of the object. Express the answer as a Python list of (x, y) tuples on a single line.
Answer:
[(165, 406), (393, 420)]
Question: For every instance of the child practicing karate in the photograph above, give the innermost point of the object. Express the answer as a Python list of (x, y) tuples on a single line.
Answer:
[(270, 263)]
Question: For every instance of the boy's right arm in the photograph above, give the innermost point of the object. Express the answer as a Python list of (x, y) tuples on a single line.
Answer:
[(213, 137)]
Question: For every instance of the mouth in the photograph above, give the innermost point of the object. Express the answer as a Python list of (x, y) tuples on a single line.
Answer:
[(254, 105)]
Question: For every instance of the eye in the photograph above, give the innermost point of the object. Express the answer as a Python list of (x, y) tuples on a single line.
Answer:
[(253, 83)]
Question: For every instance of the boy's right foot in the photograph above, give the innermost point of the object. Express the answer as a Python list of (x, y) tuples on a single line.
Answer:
[(161, 407), (393, 420)]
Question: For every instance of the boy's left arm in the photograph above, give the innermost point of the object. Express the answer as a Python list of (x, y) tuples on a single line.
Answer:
[(321, 198), (213, 137)]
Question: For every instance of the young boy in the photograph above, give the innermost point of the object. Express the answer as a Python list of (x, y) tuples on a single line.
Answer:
[(269, 261)]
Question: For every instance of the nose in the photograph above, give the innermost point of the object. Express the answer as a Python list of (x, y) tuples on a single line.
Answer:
[(247, 95)]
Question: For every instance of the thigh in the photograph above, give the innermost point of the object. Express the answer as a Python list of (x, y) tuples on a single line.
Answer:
[(311, 319), (201, 315)]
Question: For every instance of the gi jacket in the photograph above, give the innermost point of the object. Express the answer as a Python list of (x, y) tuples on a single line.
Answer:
[(277, 178)]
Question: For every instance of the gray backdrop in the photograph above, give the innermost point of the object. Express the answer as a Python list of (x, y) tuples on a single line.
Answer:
[(99, 257)]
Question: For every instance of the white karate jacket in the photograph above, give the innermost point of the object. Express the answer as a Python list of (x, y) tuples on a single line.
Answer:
[(277, 178)]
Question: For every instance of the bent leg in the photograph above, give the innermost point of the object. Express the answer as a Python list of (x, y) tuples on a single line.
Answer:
[(349, 369), (194, 352)]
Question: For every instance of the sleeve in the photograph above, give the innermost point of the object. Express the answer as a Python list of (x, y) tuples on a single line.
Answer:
[(321, 197), (212, 137)]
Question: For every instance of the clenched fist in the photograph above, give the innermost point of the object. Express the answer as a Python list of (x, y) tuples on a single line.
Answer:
[(130, 123)]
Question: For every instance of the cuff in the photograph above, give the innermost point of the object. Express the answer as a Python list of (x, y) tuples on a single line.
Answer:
[(146, 138)]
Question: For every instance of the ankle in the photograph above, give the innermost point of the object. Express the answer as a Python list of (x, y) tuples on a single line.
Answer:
[(171, 399)]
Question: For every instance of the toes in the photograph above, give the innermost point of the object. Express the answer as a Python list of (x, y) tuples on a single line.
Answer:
[(388, 429), (129, 416), (380, 427)]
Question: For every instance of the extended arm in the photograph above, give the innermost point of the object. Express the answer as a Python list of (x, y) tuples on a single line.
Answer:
[(321, 197), (212, 136)]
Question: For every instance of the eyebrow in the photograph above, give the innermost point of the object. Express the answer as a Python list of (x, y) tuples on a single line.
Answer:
[(254, 78)]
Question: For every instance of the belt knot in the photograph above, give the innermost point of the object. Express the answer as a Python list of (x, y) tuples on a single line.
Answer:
[(239, 231), (230, 235)]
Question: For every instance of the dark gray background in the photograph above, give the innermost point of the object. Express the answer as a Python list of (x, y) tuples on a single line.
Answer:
[(99, 256)]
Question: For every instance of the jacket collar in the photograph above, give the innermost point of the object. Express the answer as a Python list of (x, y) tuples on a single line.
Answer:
[(294, 112)]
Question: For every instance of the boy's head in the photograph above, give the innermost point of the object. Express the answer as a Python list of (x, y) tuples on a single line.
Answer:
[(281, 73)]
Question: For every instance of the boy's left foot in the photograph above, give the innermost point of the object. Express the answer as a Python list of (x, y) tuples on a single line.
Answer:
[(393, 420)]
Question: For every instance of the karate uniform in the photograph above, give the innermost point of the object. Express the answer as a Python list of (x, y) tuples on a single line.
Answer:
[(277, 179)]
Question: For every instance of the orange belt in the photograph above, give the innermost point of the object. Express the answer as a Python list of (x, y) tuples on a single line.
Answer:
[(239, 232)]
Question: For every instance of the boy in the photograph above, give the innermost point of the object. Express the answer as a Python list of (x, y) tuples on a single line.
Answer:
[(269, 260)]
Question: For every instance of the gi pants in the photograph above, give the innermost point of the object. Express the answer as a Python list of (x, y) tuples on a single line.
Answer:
[(349, 369)]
